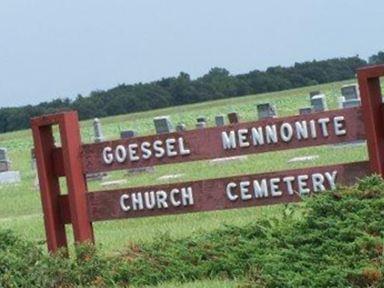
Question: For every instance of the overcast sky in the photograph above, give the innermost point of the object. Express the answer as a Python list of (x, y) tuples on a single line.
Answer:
[(60, 48)]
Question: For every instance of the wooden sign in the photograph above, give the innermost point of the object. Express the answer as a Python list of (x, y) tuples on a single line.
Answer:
[(73, 160)]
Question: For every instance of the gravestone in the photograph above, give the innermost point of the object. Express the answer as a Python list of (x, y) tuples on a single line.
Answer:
[(233, 118), (266, 110), (5, 164), (314, 93), (97, 131), (163, 124), (127, 134), (33, 160), (350, 92), (219, 120), (10, 177), (201, 125), (181, 127), (319, 103), (97, 138), (351, 103), (350, 96), (201, 119), (7, 176), (305, 111)]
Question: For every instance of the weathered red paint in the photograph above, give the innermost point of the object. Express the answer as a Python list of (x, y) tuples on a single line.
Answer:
[(372, 104), (73, 160), (49, 182), (210, 194), (206, 143), (49, 186), (76, 182)]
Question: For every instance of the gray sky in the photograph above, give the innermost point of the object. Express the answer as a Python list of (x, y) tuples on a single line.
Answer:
[(52, 48)]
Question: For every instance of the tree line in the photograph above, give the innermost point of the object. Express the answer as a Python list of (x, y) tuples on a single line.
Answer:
[(218, 83)]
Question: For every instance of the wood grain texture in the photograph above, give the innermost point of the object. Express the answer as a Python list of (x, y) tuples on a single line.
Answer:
[(210, 194), (207, 143)]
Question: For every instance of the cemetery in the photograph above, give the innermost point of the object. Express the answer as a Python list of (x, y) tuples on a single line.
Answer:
[(264, 176), (6, 175), (191, 144), (80, 208)]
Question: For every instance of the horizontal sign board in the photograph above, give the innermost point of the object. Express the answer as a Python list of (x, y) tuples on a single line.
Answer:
[(267, 135), (217, 194)]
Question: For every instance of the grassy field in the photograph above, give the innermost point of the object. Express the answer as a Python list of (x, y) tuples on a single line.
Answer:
[(20, 207)]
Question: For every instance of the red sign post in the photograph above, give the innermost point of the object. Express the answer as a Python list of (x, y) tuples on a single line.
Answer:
[(73, 160)]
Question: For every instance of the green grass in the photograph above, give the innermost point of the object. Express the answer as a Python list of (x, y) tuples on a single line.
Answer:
[(20, 207), (333, 239)]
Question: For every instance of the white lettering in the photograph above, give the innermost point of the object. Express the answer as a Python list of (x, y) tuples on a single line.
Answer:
[(243, 135), (124, 206), (229, 141), (182, 148), (132, 150), (339, 124), (147, 153), (244, 191), (323, 124), (274, 183), (302, 182), (170, 145), (120, 153), (286, 132), (271, 134), (230, 194), (331, 179), (187, 196), (159, 150), (107, 155), (260, 190), (301, 130), (257, 136)]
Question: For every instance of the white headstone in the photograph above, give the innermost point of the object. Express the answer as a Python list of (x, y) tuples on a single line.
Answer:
[(201, 125), (319, 103), (97, 132), (314, 93), (10, 177), (266, 110)]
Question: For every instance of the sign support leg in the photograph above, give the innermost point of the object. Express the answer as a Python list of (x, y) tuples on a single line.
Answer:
[(49, 187), (373, 112), (76, 182)]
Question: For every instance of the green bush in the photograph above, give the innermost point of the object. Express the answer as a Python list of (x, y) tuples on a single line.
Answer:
[(335, 241)]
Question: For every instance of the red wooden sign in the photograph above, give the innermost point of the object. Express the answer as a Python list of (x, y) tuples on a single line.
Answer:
[(73, 160)]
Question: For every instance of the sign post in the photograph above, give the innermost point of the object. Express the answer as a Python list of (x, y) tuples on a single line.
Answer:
[(372, 104), (73, 160)]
